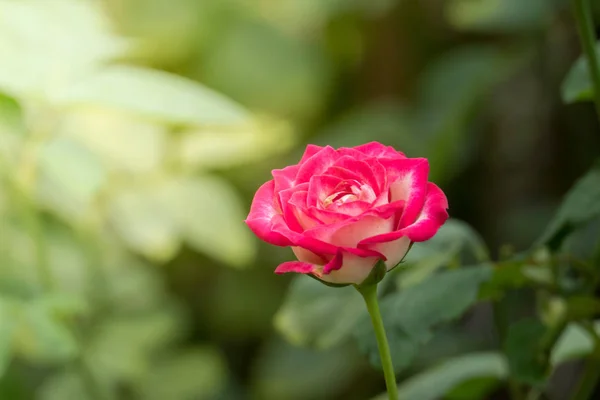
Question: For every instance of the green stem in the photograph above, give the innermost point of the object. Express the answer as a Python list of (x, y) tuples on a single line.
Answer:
[(585, 24), (369, 293)]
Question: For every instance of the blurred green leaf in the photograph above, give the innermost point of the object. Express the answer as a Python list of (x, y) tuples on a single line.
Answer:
[(286, 372), (499, 16), (268, 71), (66, 385), (204, 211), (577, 86), (43, 335), (121, 347), (210, 215), (206, 148), (194, 373), (45, 45), (69, 179), (155, 95), (580, 205), (317, 315), (455, 241), (437, 381), (122, 141), (449, 91), (574, 343), (411, 315), (521, 346)]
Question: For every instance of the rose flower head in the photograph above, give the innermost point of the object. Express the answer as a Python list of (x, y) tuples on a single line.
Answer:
[(344, 210)]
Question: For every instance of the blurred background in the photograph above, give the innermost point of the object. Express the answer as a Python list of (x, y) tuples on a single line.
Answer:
[(134, 133)]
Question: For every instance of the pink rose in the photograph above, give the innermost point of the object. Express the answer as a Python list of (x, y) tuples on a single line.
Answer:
[(343, 210)]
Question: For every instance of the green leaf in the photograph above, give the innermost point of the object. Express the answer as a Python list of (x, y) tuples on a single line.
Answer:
[(577, 86), (122, 141), (44, 337), (45, 45), (153, 94), (437, 381), (70, 178), (283, 371), (526, 363), (194, 373), (455, 240), (411, 315), (574, 343), (581, 204), (499, 16), (207, 148), (316, 315), (210, 214)]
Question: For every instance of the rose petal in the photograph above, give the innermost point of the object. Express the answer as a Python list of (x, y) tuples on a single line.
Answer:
[(284, 178), (263, 217), (362, 169), (317, 164), (408, 182), (295, 266), (310, 151), (378, 150), (394, 251), (320, 187), (349, 233), (431, 218), (352, 269), (295, 210)]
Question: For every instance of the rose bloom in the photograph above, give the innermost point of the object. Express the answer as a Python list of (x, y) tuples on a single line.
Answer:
[(341, 211)]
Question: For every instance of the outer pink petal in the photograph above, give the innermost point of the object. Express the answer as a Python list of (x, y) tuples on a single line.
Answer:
[(284, 178), (310, 151), (378, 150), (317, 164), (394, 251), (408, 182), (295, 266), (263, 217), (432, 217)]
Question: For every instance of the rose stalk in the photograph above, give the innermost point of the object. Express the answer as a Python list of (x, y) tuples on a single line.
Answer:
[(350, 215)]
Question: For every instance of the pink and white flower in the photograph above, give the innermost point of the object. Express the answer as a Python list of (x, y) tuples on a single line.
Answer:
[(341, 211)]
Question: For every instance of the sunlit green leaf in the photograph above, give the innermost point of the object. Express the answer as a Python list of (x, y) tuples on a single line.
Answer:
[(435, 382), (45, 45), (44, 337), (210, 214), (154, 94), (207, 148), (577, 86), (70, 178), (122, 141), (317, 315)]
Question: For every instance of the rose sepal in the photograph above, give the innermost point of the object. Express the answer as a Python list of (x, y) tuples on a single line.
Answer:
[(375, 276)]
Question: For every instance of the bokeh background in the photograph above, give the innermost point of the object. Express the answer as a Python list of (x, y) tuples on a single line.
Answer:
[(133, 134)]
